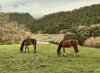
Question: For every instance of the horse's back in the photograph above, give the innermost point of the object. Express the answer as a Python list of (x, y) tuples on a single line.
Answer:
[(65, 43), (68, 43), (34, 40), (74, 41), (27, 41)]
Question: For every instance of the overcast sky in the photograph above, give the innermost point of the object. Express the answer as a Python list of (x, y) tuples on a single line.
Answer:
[(39, 8)]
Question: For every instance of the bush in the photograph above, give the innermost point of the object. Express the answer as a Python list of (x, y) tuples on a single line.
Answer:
[(82, 36), (93, 42), (53, 42), (70, 35), (84, 32), (11, 33), (95, 30)]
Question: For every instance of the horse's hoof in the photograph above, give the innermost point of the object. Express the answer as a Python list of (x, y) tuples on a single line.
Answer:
[(77, 55), (34, 52), (21, 52), (58, 55), (28, 51), (64, 54)]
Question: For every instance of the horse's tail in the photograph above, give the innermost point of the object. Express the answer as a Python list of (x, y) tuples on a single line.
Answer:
[(21, 48), (59, 48)]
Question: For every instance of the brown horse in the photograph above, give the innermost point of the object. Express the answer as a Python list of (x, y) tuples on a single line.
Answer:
[(27, 42), (67, 43)]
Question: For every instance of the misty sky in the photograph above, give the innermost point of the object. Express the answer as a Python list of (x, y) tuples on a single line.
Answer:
[(39, 8)]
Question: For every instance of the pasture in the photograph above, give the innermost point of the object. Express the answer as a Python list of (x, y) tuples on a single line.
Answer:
[(46, 60)]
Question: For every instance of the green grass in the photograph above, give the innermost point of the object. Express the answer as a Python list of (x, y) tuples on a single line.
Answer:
[(46, 60)]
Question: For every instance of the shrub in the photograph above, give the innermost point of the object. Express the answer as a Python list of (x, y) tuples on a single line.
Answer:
[(93, 42), (11, 33), (84, 32), (53, 42), (95, 30), (70, 35), (82, 36)]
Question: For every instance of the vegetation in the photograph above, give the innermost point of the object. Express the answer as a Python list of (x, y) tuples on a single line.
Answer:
[(69, 35), (10, 32), (46, 60), (84, 32), (68, 21), (93, 42), (83, 22), (21, 18), (53, 42)]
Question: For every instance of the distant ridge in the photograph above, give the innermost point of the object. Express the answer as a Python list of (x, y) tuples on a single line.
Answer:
[(20, 18)]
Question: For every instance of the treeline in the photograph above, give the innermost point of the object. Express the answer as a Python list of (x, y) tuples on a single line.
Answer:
[(63, 22)]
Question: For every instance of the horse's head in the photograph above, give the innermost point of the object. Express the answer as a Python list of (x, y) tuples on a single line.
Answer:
[(58, 53), (21, 49), (58, 50)]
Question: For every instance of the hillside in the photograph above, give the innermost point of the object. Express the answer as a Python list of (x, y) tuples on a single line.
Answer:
[(67, 21), (20, 18)]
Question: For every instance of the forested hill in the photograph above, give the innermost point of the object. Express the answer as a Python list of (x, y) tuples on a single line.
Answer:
[(68, 21), (20, 18)]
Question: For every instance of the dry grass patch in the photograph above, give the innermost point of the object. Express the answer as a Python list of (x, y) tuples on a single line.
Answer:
[(12, 33), (93, 42)]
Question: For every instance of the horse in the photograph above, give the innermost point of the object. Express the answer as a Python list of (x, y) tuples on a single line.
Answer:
[(68, 43), (27, 42)]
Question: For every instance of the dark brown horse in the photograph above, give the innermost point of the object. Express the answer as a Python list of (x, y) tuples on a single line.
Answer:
[(67, 43), (27, 42)]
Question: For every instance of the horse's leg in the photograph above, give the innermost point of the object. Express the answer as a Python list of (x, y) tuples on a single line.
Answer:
[(28, 49), (76, 50), (75, 46), (25, 48), (22, 46), (58, 50), (34, 44), (64, 54), (34, 48)]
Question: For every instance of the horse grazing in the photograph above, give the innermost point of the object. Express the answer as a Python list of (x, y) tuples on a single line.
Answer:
[(27, 42), (68, 43)]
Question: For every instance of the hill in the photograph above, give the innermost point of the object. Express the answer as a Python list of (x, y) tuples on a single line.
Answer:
[(20, 18), (67, 21)]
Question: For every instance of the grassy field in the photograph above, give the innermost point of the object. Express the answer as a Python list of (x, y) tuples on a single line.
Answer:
[(46, 60)]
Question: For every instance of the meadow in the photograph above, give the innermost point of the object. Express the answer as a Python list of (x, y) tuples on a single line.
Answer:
[(46, 60)]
